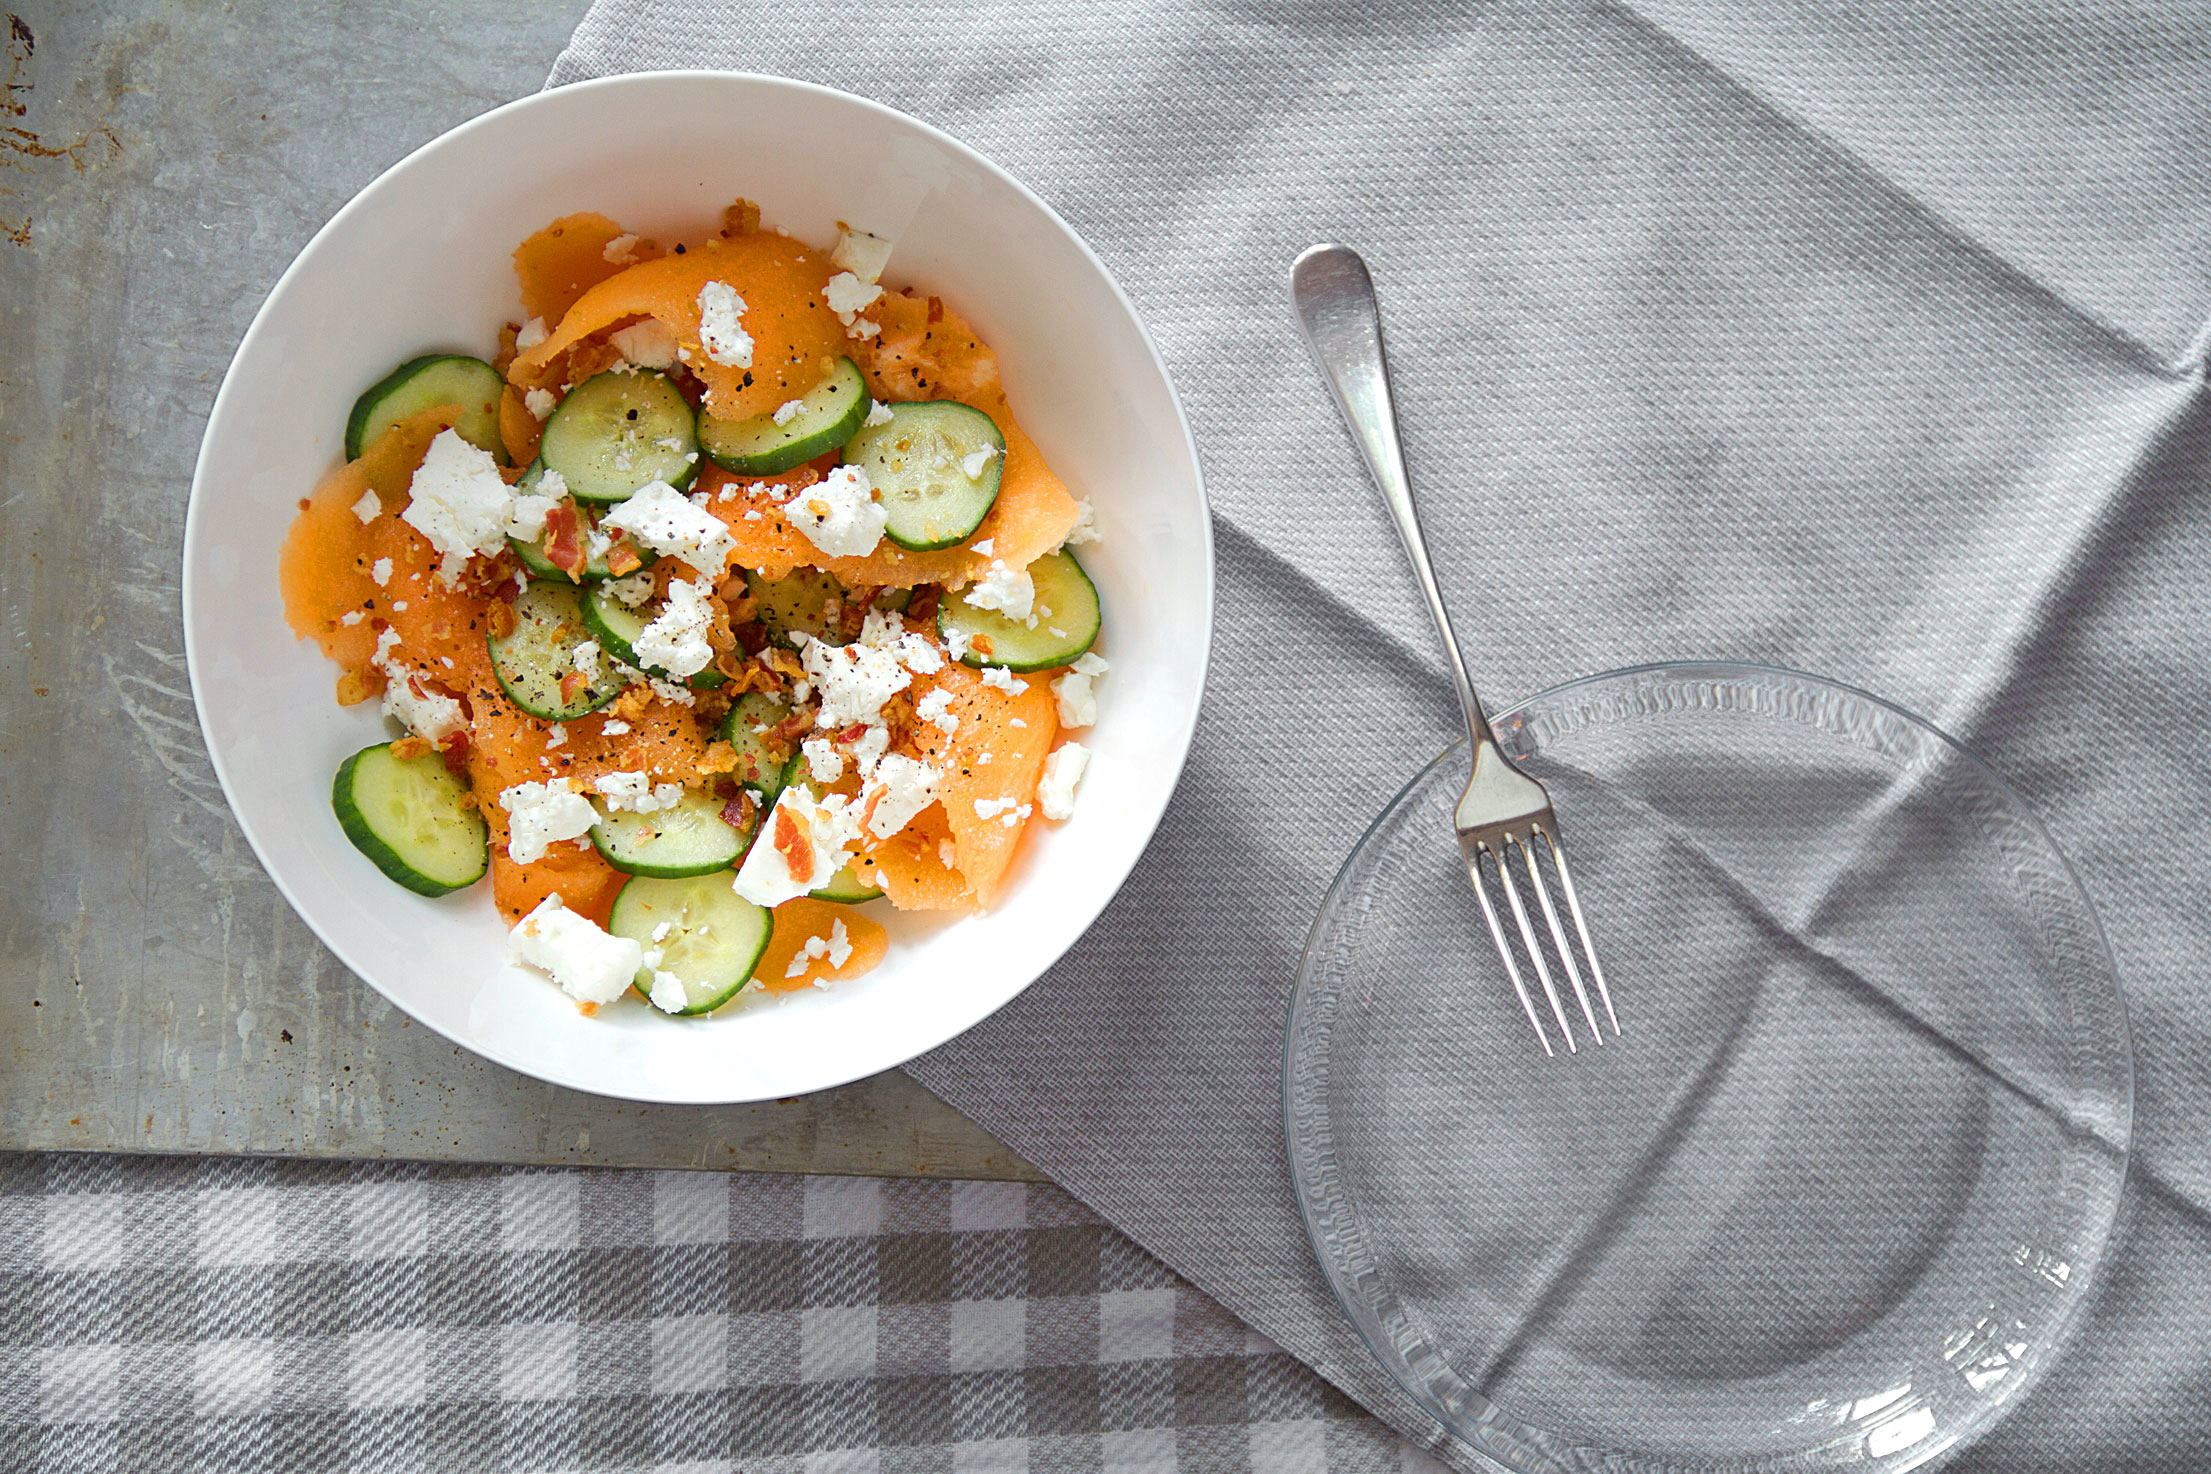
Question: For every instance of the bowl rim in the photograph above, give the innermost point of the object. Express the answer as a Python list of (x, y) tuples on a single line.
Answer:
[(224, 406), (2012, 1391)]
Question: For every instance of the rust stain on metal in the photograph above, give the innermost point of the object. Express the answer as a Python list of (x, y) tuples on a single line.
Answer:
[(20, 146)]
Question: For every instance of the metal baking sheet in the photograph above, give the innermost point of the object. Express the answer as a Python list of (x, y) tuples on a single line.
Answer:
[(161, 165)]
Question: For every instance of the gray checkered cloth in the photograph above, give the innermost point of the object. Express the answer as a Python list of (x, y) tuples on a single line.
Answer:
[(166, 1314)]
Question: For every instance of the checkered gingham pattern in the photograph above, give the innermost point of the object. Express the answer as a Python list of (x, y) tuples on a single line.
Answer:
[(193, 1314)]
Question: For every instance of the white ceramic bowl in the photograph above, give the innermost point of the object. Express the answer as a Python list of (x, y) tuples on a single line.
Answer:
[(419, 261)]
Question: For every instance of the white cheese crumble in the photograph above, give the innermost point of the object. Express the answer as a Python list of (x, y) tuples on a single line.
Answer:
[(840, 516), (1078, 705), (460, 502), (878, 414), (975, 462), (633, 590), (991, 808), (614, 727), (863, 329), (956, 643), (802, 845), (1017, 722), (351, 616), (853, 682), (1004, 680), (847, 295), (1010, 591), (861, 252), (589, 965), (399, 606), (636, 793), (529, 335), (986, 546), (540, 402), (869, 746), (804, 957), (667, 993), (585, 658), (381, 571), (721, 331), (621, 251), (667, 521), (840, 944), (556, 735), (823, 761), (649, 343), (676, 641), (540, 815), (936, 709), (789, 410), (1085, 529), (1063, 770), (424, 712), (527, 512), (898, 789), (367, 507)]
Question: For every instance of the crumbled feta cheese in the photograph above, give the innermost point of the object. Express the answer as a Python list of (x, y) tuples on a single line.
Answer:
[(1063, 770), (585, 658), (649, 343), (1014, 818), (621, 251), (661, 930), (1078, 705), (526, 514), (1004, 680), (975, 462), (847, 295), (351, 616), (367, 507), (991, 808), (632, 591), (540, 402), (1017, 722), (1085, 529), (529, 335), (936, 709), (399, 606), (823, 761), (670, 692), (381, 571), (869, 746), (899, 788), (986, 546), (878, 414), (957, 643), (556, 735), (667, 521), (840, 516), (540, 815), (636, 793), (721, 331), (860, 252), (863, 329), (589, 965), (853, 681), (840, 944), (920, 656), (459, 502), (668, 993), (1009, 591), (428, 714), (1090, 663), (676, 641), (752, 514), (802, 845), (804, 957), (789, 410), (614, 727)]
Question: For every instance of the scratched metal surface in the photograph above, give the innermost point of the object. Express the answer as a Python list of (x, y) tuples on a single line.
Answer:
[(162, 163)]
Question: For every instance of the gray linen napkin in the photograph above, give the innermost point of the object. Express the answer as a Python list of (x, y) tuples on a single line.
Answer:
[(1864, 348)]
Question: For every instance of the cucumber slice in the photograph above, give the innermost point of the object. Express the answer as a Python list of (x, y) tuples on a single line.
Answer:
[(620, 430), (916, 462), (760, 763), (532, 554), (531, 661), (425, 383), (1066, 613), (793, 605), (714, 937), (828, 415), (845, 888), (413, 819), (690, 839), (617, 627)]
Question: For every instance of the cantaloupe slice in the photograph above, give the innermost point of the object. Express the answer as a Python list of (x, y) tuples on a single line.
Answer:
[(797, 922), (520, 430), (781, 281), (983, 845), (563, 261), (915, 868), (586, 883)]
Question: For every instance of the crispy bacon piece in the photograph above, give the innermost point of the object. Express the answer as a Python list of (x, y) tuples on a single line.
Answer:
[(981, 646), (357, 686), (410, 747), (752, 636), (793, 843), (622, 557), (499, 618), (741, 812), (564, 540), (455, 749), (786, 733), (571, 686), (923, 605)]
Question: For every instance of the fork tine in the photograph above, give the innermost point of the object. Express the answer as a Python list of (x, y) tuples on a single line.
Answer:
[(1527, 934), (1558, 933), (1504, 948), (1581, 926)]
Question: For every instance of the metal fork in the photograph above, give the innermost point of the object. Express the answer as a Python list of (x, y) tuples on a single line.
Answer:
[(1503, 811)]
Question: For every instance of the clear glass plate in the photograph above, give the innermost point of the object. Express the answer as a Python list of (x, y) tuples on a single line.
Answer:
[(1835, 1195)]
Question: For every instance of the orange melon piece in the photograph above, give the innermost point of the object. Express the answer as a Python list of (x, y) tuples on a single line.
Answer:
[(984, 846), (586, 884), (518, 428), (912, 868), (781, 281), (562, 262), (797, 922)]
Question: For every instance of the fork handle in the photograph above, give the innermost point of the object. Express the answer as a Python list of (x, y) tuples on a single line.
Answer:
[(1334, 297)]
